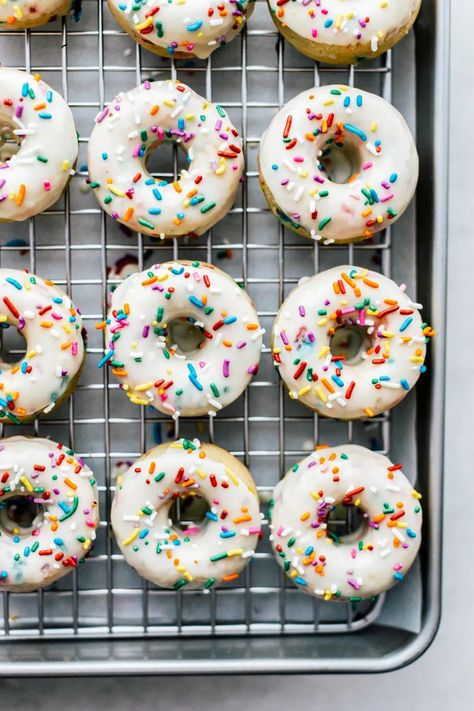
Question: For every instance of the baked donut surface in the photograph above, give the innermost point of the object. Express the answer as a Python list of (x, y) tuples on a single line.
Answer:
[(22, 14), (52, 328), (349, 343), (33, 178), (182, 337), (182, 28), (140, 120), (338, 164), (343, 31), (194, 554), (364, 563), (48, 512)]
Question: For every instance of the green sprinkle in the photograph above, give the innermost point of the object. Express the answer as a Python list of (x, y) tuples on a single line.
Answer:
[(160, 476), (215, 390), (291, 542), (42, 159), (145, 223), (209, 583), (324, 222), (220, 110), (179, 583), (218, 556), (208, 207)]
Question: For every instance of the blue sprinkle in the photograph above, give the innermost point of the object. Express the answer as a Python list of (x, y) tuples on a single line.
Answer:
[(24, 366), (230, 319), (25, 89), (154, 211), (211, 515), (195, 26), (374, 195), (14, 283), (300, 581), (357, 131), (44, 115), (181, 123), (309, 550), (393, 178), (227, 534), (16, 539), (337, 380), (384, 378), (4, 574), (347, 101), (58, 541), (359, 100), (49, 96), (327, 24), (274, 166), (104, 156), (194, 300), (104, 360), (398, 576), (157, 194), (195, 382), (405, 324), (411, 533), (149, 181), (405, 384), (144, 533), (177, 271), (192, 370), (26, 551), (63, 505)]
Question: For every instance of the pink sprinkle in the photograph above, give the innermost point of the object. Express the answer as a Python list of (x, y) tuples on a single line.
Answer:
[(74, 348), (284, 338), (253, 369), (386, 198), (298, 159), (302, 311), (241, 344), (362, 317), (218, 125), (353, 553), (353, 583), (47, 185), (366, 166), (254, 530)]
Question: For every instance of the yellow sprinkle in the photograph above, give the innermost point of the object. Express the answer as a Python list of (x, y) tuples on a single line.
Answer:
[(304, 390), (232, 476), (322, 396), (368, 411), (236, 551), (26, 483), (143, 386), (131, 538), (323, 352)]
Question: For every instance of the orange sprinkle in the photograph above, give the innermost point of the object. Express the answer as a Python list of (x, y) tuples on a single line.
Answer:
[(70, 483), (371, 283), (21, 195), (242, 519), (128, 214)]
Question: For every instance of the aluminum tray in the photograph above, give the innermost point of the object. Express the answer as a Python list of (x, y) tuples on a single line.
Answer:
[(103, 619)]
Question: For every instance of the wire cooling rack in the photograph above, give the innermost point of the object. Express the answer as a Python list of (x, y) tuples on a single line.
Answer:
[(84, 251)]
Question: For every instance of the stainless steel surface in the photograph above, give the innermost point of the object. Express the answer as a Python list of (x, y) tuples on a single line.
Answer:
[(104, 619)]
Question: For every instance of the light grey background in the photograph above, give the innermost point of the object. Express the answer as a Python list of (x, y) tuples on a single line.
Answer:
[(443, 677)]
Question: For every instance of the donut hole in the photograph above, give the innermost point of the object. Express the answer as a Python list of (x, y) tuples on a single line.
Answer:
[(9, 142), (340, 161), (346, 524), (188, 513), (165, 160), (185, 334), (12, 346), (20, 515), (350, 342)]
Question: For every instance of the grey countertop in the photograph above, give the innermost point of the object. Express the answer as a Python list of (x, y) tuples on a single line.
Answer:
[(443, 676)]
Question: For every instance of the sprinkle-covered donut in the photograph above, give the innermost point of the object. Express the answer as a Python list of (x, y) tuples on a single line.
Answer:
[(349, 343), (338, 164), (48, 512), (33, 179), (52, 327), (21, 14), (364, 563), (343, 32), (182, 28), (182, 337), (194, 555), (142, 119)]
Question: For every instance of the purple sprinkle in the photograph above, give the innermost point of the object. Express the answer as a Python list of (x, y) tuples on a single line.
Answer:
[(225, 368)]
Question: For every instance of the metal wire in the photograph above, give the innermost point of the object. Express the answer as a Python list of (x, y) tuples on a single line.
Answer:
[(80, 245)]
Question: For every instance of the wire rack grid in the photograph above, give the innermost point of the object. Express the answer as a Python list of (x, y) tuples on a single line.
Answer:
[(78, 246)]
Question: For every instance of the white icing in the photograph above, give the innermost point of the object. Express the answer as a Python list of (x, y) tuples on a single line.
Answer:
[(382, 158), (135, 123), (16, 14), (191, 27), (346, 23), (52, 328), (63, 531), (393, 358), (390, 535), (34, 178), (201, 380), (145, 534)]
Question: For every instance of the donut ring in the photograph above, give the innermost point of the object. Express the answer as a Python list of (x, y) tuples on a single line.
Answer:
[(202, 555), (153, 370), (21, 14), (52, 328), (56, 537), (182, 29), (319, 324), (35, 177), (344, 34), (364, 563), (142, 119), (358, 135)]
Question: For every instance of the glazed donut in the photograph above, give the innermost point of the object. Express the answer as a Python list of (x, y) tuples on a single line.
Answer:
[(182, 28), (338, 164), (361, 564), (133, 125), (343, 33), (35, 177), (48, 512), (201, 555), (21, 14), (182, 337), (52, 328), (349, 343)]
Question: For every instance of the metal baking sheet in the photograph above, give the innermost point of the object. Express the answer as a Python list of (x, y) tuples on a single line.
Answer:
[(103, 618)]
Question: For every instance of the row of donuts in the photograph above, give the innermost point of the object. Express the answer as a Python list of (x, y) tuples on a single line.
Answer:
[(336, 164), (192, 28), (61, 491), (184, 338)]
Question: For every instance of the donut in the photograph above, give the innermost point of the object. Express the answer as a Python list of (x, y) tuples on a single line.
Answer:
[(48, 512), (338, 164), (183, 338), (52, 328), (34, 178), (22, 14), (195, 555), (142, 119), (349, 343), (343, 32), (364, 563), (182, 28)]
